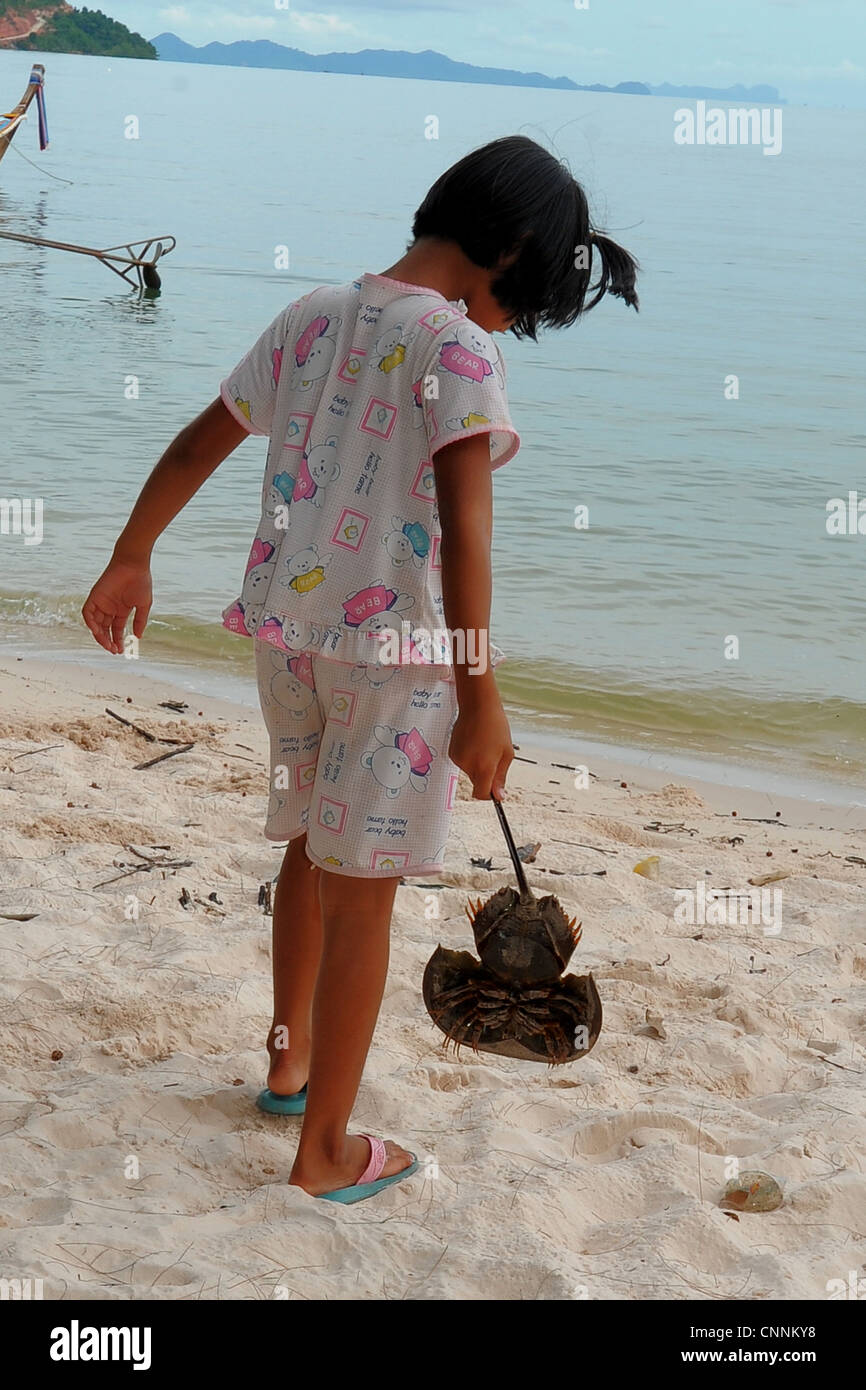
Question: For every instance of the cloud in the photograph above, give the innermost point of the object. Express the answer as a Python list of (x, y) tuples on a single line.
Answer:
[(281, 24), (175, 14), (309, 23)]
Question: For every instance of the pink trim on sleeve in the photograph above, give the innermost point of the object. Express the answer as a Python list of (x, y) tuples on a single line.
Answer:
[(232, 407), (489, 428)]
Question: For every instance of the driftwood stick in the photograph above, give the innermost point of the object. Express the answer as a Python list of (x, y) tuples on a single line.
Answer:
[(172, 753), (578, 844), (31, 751), (139, 868), (151, 738), (145, 868)]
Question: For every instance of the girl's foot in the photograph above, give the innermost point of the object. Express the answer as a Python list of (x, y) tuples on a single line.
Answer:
[(324, 1176), (288, 1071)]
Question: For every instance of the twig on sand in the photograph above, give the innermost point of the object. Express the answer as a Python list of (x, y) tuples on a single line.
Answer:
[(578, 844), (146, 866), (172, 753), (662, 828), (128, 724), (151, 738), (31, 751), (574, 873)]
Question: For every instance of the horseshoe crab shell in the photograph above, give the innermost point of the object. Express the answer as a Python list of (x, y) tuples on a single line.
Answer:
[(515, 1001)]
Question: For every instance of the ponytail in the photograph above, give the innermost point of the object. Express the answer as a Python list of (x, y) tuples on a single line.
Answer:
[(617, 271)]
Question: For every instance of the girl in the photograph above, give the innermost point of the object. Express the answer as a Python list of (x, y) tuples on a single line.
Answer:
[(368, 592)]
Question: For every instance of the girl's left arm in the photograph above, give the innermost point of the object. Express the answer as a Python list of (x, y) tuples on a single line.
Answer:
[(125, 584)]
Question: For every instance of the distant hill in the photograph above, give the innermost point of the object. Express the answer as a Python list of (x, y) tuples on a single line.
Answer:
[(429, 66), (58, 28)]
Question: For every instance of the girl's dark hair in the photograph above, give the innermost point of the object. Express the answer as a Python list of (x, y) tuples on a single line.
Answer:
[(512, 204)]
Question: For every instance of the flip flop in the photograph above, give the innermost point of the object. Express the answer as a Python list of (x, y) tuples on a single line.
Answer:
[(282, 1105), (370, 1182)]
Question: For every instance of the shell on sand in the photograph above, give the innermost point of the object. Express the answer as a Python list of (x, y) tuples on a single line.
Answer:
[(752, 1192)]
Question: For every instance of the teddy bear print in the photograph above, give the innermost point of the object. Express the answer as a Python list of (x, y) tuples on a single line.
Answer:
[(299, 635), (471, 354), (306, 569), (430, 648), (236, 619), (253, 618), (375, 609), (417, 393), (408, 541), (275, 805), (374, 673), (314, 352), (292, 684), (260, 572), (399, 760), (319, 467), (277, 500), (390, 349)]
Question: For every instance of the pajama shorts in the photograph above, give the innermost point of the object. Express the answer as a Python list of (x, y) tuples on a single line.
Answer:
[(359, 761)]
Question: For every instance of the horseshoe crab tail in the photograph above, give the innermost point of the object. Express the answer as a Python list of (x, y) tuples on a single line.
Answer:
[(525, 891)]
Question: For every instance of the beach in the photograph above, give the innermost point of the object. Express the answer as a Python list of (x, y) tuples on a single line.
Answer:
[(136, 999)]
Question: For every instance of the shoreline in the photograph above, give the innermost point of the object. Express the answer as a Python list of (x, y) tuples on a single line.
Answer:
[(799, 744), (725, 787)]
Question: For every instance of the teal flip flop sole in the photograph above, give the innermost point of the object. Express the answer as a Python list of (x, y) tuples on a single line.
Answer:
[(282, 1105), (361, 1191)]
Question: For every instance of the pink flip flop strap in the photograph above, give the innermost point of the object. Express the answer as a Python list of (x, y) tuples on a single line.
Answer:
[(378, 1159)]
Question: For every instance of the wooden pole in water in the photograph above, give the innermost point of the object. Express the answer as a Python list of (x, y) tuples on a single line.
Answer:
[(140, 256), (16, 116)]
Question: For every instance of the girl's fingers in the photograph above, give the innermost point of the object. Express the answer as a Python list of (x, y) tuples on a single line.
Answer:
[(99, 622), (501, 773), (482, 783), (140, 621), (118, 623)]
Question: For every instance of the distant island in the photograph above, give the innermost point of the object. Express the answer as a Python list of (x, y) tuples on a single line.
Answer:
[(60, 28), (428, 66)]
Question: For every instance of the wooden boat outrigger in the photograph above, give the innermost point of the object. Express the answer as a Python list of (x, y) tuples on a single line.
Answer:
[(134, 261), (11, 120), (138, 258)]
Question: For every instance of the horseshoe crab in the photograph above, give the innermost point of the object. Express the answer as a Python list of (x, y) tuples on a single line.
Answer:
[(516, 1001)]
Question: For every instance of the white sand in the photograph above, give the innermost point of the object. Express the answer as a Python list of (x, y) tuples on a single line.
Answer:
[(136, 1165)]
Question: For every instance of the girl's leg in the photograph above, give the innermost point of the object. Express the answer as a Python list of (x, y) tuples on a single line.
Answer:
[(297, 949), (356, 921)]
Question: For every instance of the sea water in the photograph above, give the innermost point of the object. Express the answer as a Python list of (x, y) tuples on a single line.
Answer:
[(665, 574)]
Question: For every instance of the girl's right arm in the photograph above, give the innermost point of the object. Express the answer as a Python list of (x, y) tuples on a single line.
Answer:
[(481, 739), (125, 584)]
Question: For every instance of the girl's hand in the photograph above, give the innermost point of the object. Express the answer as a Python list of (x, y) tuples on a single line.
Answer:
[(481, 746), (122, 587)]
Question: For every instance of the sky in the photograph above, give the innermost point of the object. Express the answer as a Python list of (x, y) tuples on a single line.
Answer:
[(813, 51)]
